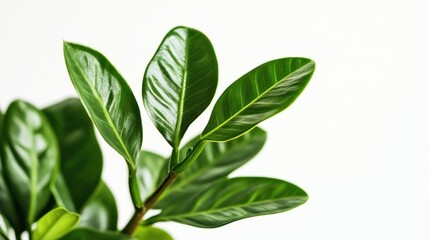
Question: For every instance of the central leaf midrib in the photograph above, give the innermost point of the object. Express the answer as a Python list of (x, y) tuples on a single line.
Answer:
[(176, 139), (34, 175), (191, 214), (251, 103), (106, 115)]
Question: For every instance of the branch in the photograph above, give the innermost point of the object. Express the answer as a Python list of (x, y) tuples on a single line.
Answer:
[(148, 204)]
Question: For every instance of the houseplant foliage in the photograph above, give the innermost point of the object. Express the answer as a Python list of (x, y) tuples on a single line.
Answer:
[(51, 162)]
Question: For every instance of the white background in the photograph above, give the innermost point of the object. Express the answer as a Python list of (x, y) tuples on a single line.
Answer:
[(356, 140)]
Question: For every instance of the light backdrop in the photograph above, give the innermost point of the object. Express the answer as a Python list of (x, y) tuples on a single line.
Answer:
[(357, 139)]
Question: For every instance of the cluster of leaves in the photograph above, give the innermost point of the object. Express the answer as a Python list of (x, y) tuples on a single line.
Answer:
[(51, 162)]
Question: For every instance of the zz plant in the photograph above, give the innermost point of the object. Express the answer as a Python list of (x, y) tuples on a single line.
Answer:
[(51, 163)]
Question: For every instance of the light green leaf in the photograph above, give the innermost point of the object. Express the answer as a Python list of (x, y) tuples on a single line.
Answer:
[(7, 204), (55, 224), (256, 96), (233, 199), (100, 212), (30, 156), (151, 170), (180, 82), (151, 233), (92, 234), (81, 158), (107, 98), (216, 162), (4, 224)]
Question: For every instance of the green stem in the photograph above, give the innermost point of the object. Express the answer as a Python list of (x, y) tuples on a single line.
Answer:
[(177, 169), (134, 188), (174, 158), (198, 148), (139, 213)]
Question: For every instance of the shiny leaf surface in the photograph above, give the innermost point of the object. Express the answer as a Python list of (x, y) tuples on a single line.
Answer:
[(55, 224), (3, 231), (180, 82), (231, 200), (81, 158), (151, 170), (92, 234), (30, 158), (151, 233), (216, 161), (4, 224), (7, 205), (107, 98), (261, 93), (100, 212), (62, 195)]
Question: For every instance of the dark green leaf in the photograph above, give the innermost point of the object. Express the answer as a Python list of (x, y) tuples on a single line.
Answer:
[(62, 195), (180, 82), (233, 199), (216, 161), (81, 158), (151, 170), (107, 98), (55, 224), (7, 205), (256, 96), (92, 234), (100, 212), (30, 158), (151, 233)]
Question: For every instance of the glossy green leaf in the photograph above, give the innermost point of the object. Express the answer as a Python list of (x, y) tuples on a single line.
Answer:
[(30, 158), (62, 195), (81, 158), (233, 199), (92, 234), (107, 98), (261, 93), (180, 82), (3, 233), (7, 204), (151, 233), (216, 161), (55, 224), (151, 170), (100, 212)]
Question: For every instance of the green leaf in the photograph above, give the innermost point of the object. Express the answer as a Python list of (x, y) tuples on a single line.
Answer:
[(151, 233), (4, 223), (151, 170), (216, 162), (7, 203), (233, 199), (81, 158), (107, 98), (100, 212), (30, 158), (55, 224), (92, 234), (180, 82), (62, 194), (256, 96)]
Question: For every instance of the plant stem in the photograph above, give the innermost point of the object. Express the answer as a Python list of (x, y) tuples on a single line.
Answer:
[(134, 188), (148, 204)]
